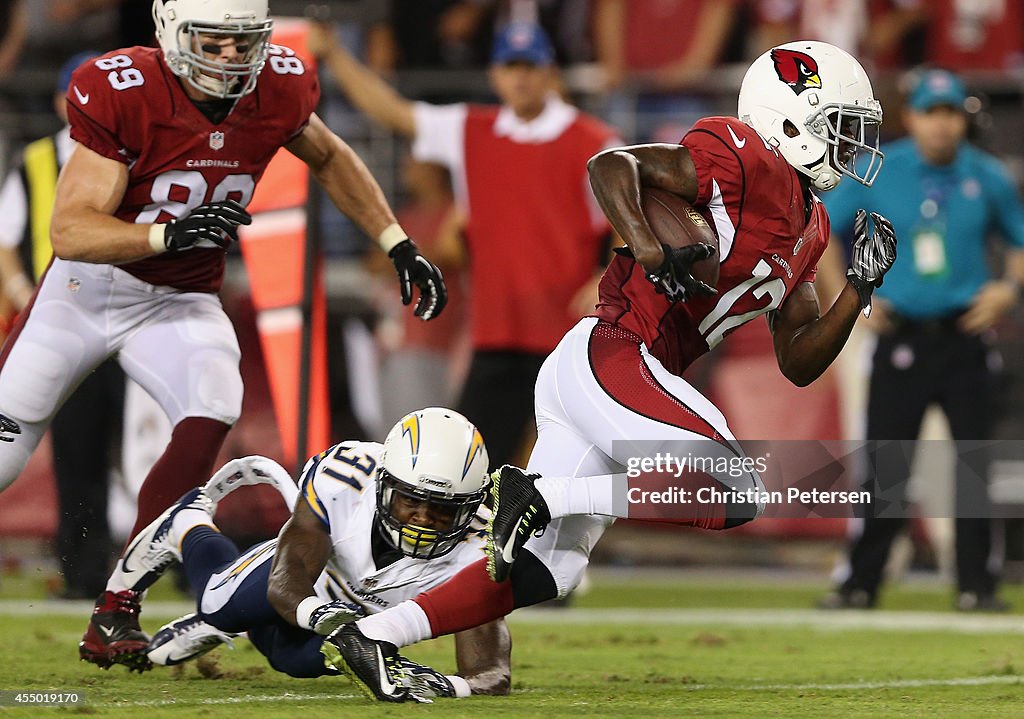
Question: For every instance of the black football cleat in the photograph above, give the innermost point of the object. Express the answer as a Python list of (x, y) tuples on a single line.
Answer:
[(519, 512), (114, 635), (374, 667)]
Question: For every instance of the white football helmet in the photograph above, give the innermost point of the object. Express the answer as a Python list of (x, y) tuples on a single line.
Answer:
[(435, 456), (180, 25), (813, 102)]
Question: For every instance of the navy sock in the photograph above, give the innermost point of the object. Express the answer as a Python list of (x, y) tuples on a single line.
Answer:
[(204, 551)]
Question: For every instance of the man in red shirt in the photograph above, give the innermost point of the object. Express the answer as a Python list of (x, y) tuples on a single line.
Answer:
[(613, 387), (519, 174), (171, 143)]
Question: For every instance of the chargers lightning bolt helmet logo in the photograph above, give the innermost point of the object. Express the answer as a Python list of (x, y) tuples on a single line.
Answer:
[(797, 69), (474, 449), (411, 427)]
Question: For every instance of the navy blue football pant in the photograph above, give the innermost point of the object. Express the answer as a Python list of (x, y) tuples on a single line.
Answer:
[(289, 649)]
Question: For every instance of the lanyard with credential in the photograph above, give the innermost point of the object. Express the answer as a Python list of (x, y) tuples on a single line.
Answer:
[(930, 231)]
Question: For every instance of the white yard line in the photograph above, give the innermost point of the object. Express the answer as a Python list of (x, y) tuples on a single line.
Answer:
[(842, 620), (243, 699), (860, 686), (853, 686)]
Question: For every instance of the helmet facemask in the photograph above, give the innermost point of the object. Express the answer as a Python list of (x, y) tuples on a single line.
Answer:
[(453, 512), (849, 132), (226, 80)]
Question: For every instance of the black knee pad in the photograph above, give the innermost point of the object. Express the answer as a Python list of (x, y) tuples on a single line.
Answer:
[(532, 583)]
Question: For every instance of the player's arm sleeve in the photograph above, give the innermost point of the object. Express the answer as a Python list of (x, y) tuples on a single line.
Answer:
[(95, 123), (308, 99), (310, 490), (719, 167), (440, 133), (484, 658)]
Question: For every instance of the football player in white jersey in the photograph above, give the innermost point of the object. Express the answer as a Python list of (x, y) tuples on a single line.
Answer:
[(373, 525)]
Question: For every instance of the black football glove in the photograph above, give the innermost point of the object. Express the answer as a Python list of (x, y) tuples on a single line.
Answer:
[(415, 269), (216, 222), (873, 254), (8, 427), (675, 279)]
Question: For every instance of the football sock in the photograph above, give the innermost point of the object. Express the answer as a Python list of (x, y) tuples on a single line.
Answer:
[(186, 463), (204, 551), (467, 600), (584, 495), (402, 625)]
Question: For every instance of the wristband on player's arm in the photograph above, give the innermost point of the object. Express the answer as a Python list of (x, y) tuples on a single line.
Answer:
[(462, 688), (391, 236), (305, 610), (157, 233)]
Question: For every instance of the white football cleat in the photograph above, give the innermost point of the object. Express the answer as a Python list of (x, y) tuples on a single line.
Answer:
[(159, 545), (248, 471), (185, 639)]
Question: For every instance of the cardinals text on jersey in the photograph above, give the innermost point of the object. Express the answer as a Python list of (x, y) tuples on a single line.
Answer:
[(129, 107)]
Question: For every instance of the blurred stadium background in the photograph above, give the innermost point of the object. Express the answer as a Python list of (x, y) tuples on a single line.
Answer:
[(355, 316)]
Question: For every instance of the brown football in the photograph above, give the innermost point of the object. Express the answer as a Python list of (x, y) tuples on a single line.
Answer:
[(676, 224)]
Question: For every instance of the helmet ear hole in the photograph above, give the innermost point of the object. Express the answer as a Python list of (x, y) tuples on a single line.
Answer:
[(790, 129)]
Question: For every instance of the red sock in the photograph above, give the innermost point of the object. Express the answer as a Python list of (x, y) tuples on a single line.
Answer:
[(187, 462), (467, 600)]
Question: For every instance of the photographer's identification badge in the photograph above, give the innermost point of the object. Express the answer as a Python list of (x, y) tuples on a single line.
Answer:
[(929, 253)]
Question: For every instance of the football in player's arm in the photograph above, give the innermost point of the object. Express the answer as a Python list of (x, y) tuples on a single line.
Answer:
[(806, 342)]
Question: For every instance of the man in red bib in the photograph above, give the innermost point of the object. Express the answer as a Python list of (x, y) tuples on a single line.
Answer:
[(536, 238)]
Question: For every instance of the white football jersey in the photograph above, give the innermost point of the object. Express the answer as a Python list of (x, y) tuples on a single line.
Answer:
[(340, 487)]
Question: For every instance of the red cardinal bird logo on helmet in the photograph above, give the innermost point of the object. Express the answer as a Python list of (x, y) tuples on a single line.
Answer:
[(797, 69)]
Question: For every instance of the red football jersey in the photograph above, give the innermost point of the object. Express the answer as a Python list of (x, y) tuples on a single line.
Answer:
[(129, 107), (752, 198)]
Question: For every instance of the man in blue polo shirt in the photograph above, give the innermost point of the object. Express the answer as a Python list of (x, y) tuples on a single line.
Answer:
[(934, 316)]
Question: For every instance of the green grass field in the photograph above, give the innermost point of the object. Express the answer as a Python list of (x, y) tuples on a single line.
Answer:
[(709, 646)]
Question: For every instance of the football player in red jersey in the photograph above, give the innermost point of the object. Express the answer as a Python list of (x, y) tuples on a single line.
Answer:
[(614, 387), (171, 144)]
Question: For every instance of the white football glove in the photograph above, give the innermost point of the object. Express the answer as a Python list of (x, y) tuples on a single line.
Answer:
[(873, 255), (327, 617), (423, 682)]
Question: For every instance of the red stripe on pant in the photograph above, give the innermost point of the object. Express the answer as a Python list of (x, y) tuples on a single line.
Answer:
[(620, 370)]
